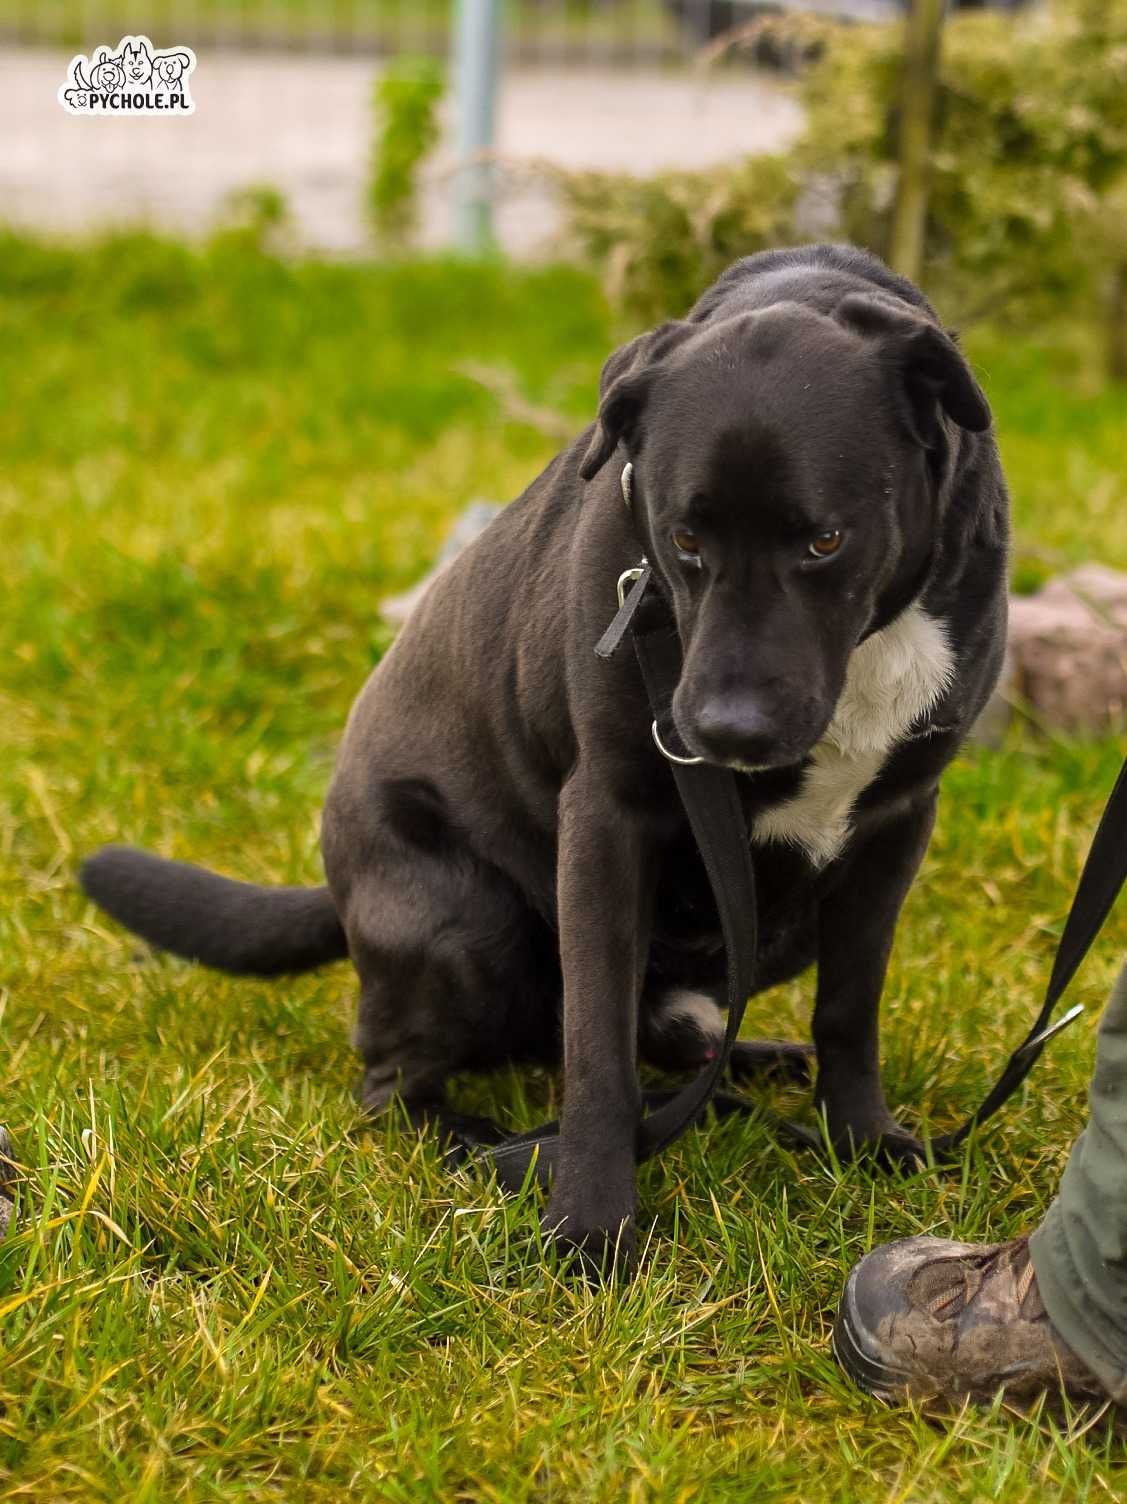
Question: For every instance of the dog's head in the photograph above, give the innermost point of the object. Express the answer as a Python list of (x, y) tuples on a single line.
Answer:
[(106, 73), (137, 61), (169, 67), (788, 475)]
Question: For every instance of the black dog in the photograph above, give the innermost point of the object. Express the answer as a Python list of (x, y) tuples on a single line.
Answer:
[(815, 486)]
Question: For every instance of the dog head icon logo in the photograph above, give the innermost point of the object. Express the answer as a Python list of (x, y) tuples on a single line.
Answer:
[(135, 80)]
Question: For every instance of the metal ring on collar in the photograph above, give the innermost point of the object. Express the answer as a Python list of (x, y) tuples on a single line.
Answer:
[(684, 762), (627, 578)]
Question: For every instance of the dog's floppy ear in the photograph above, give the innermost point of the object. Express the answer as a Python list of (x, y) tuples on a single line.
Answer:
[(623, 386), (932, 367), (618, 416)]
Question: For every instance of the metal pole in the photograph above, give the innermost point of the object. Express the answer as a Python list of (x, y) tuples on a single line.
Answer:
[(477, 49)]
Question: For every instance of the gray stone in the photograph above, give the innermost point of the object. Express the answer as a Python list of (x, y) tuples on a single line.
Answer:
[(1069, 649), (474, 519)]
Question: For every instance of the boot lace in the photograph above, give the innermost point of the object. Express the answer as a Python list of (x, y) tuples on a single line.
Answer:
[(973, 1273)]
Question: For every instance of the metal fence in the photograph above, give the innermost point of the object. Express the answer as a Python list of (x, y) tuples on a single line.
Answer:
[(555, 31)]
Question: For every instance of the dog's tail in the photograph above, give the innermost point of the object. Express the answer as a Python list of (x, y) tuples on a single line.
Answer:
[(232, 926)]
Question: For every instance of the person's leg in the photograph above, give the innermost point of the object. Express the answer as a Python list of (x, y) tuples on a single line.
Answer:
[(927, 1318), (1079, 1251)]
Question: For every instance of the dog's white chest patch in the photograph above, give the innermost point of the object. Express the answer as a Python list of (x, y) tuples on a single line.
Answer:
[(896, 676)]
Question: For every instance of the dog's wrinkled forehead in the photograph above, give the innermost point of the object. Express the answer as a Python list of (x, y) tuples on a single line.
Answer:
[(870, 374), (787, 410)]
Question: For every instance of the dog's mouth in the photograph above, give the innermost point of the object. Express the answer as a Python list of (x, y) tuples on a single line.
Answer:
[(751, 767), (762, 759), (775, 765)]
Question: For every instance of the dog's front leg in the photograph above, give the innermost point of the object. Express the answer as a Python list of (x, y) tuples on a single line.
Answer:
[(605, 888), (856, 924)]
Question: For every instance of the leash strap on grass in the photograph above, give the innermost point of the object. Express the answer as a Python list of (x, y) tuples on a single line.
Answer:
[(1101, 882)]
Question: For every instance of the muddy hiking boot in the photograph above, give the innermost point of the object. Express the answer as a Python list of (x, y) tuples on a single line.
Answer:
[(7, 1180), (929, 1319)]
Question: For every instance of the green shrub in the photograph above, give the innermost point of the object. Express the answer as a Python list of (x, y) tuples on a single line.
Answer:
[(659, 241), (1030, 141), (256, 216), (1030, 152), (406, 99)]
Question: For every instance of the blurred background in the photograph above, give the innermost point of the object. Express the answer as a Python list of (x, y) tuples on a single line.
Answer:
[(979, 145), (1025, 102)]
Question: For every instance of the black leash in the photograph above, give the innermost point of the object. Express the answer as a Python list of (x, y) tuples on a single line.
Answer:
[(710, 796), (1101, 880), (712, 803)]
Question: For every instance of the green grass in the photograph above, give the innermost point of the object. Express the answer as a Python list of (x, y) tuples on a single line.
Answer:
[(212, 466)]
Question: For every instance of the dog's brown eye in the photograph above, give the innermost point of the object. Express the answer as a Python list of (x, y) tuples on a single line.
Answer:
[(826, 544), (685, 542)]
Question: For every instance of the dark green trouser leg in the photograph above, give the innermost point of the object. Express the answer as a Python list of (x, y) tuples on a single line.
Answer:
[(1080, 1249)]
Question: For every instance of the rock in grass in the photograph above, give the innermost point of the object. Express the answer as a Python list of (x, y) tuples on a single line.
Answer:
[(473, 520), (1069, 649), (1066, 658)]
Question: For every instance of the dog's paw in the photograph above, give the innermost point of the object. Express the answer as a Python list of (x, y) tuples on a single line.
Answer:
[(772, 1057), (595, 1242), (898, 1151), (891, 1147), (868, 1131), (860, 1127)]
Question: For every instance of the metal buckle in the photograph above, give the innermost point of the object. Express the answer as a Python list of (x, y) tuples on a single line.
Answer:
[(682, 762), (626, 578), (1050, 1030)]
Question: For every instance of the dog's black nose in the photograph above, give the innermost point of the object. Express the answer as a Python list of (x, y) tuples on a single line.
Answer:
[(737, 730)]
